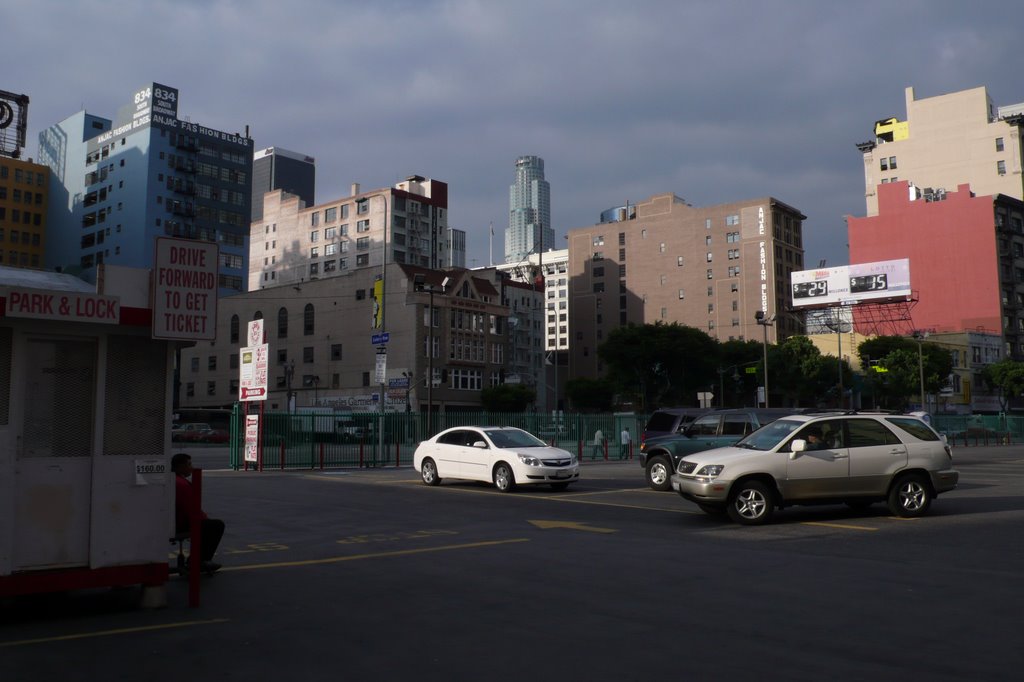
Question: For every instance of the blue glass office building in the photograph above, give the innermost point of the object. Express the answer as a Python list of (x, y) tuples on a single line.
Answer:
[(117, 185)]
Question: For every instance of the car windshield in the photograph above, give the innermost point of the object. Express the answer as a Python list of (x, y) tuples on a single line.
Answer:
[(514, 438), (767, 437)]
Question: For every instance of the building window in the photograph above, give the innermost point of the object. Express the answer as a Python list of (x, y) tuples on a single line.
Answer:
[(234, 329), (363, 225), (1001, 167), (681, 295), (999, 144), (314, 218), (330, 215), (710, 275), (598, 287), (892, 163), (883, 163), (732, 219), (314, 236), (599, 240), (282, 323), (307, 354), (707, 223), (709, 256), (336, 353), (308, 320), (679, 261), (211, 388), (734, 271), (362, 259)]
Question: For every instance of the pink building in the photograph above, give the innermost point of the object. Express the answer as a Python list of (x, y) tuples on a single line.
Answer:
[(966, 256)]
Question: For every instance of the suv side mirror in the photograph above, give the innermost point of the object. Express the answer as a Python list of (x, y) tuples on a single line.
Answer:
[(796, 447)]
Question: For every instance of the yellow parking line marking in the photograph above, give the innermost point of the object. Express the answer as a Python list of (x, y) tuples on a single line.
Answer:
[(845, 526), (119, 631), (372, 555)]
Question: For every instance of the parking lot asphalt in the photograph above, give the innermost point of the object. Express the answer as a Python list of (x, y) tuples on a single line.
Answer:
[(368, 574)]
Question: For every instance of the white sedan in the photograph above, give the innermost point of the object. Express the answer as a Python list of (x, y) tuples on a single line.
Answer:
[(501, 455)]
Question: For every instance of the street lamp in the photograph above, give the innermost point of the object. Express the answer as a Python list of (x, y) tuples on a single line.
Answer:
[(420, 284), (920, 336), (765, 321)]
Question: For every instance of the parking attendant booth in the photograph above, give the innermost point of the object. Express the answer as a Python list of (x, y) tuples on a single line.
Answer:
[(86, 495)]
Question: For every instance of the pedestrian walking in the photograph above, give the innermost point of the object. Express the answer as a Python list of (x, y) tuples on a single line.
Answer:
[(598, 450), (625, 440)]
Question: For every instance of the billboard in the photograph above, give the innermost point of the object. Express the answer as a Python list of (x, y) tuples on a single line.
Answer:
[(850, 284)]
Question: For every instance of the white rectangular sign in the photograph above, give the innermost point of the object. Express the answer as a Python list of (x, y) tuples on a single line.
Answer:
[(185, 290), (254, 331), (849, 284), (252, 372), (61, 305), (252, 437)]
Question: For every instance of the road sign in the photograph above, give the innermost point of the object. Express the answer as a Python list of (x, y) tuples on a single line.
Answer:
[(252, 372), (378, 339), (252, 437), (382, 365)]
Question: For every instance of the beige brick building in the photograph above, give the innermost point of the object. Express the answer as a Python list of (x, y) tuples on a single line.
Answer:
[(665, 260)]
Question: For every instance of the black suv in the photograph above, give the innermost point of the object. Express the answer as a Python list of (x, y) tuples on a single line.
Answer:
[(659, 456), (670, 420)]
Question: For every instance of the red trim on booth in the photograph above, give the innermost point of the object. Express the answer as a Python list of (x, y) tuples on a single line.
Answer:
[(60, 580), (136, 317)]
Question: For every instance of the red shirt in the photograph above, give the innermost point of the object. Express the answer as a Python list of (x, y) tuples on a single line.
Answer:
[(182, 503)]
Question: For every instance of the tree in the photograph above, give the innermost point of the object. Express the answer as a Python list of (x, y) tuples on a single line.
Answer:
[(660, 364), (507, 398), (590, 395), (901, 382), (1005, 377)]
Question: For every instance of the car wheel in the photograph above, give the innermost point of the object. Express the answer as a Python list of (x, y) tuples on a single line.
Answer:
[(910, 496), (428, 472), (658, 474), (752, 503), (561, 485), (504, 479), (711, 509)]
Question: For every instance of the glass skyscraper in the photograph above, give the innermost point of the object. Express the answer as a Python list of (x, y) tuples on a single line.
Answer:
[(529, 217)]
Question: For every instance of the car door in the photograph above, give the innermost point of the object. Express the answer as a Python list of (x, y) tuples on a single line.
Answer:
[(822, 472), (476, 462), (450, 453), (702, 433), (734, 427), (876, 453)]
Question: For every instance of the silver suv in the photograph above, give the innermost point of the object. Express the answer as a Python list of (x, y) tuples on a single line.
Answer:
[(856, 458)]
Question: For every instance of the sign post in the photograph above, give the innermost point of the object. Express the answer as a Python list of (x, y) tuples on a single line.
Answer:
[(253, 364)]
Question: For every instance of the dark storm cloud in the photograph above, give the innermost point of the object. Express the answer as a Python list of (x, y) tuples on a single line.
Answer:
[(715, 101)]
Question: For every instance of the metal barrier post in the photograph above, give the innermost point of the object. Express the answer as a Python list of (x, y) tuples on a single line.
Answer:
[(321, 456), (195, 527), (282, 454)]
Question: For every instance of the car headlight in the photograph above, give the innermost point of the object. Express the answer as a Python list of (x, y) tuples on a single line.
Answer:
[(710, 471), (529, 460)]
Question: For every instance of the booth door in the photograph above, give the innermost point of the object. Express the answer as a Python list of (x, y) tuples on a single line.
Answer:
[(53, 461)]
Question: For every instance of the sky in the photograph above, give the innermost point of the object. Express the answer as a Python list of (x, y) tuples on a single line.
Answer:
[(716, 101)]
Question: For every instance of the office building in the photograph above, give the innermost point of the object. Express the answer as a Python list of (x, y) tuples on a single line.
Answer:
[(709, 268), (277, 168), (945, 141), (24, 190), (118, 184), (529, 219), (453, 324), (293, 243)]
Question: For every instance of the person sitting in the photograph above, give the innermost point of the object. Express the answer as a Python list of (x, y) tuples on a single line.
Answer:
[(814, 439), (211, 530)]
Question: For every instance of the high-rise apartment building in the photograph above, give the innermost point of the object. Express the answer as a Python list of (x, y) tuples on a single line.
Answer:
[(24, 189), (946, 141), (709, 268), (277, 168), (116, 185), (529, 217), (294, 243)]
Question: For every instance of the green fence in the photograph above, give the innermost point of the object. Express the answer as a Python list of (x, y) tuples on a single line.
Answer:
[(346, 439), (343, 440)]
